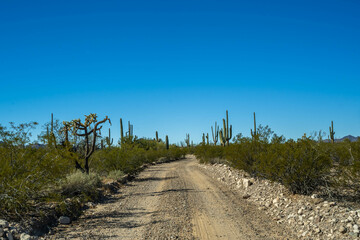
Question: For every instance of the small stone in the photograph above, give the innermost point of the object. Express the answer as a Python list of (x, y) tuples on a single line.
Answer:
[(350, 219), (314, 196), (342, 229), (276, 200), (246, 196), (267, 204), (355, 227), (247, 182), (4, 223), (64, 220), (9, 236), (90, 205), (25, 236), (300, 211)]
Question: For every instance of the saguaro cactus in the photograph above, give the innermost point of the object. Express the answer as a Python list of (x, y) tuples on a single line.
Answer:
[(226, 133), (108, 141), (207, 138), (167, 142), (203, 139), (187, 140), (254, 133), (331, 132), (157, 137), (215, 134), (131, 130), (121, 131), (51, 135)]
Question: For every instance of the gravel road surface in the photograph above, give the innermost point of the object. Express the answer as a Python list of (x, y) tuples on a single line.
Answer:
[(177, 200)]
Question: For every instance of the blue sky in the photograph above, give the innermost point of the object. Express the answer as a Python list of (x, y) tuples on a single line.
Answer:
[(176, 66)]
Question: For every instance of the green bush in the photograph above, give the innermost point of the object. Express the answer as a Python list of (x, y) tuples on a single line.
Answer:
[(26, 171), (77, 183), (301, 166), (115, 175), (209, 153)]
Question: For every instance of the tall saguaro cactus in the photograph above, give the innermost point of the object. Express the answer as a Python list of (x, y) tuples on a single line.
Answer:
[(121, 132), (187, 140), (215, 134), (167, 142), (157, 137), (108, 141), (331, 132), (226, 133), (131, 130), (89, 128), (51, 136), (203, 139), (254, 133), (207, 138)]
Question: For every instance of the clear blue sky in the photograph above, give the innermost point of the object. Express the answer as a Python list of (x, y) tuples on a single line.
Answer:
[(176, 66)]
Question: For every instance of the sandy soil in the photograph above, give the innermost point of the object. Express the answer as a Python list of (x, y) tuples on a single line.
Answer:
[(177, 200)]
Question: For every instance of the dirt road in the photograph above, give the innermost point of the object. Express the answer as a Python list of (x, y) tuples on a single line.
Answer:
[(177, 200)]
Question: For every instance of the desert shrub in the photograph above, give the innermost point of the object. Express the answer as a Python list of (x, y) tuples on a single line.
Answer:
[(243, 156), (346, 156), (77, 183), (175, 153), (129, 157), (27, 170), (124, 159), (209, 153), (115, 174), (301, 166)]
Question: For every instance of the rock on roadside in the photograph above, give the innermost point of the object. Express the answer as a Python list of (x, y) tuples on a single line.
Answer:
[(309, 217)]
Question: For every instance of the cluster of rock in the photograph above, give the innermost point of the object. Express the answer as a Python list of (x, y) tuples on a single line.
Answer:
[(310, 217), (12, 231)]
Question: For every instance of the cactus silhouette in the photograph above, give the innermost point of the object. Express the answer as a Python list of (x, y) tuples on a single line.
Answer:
[(51, 135), (121, 131), (332, 133), (167, 142), (108, 141), (187, 140), (226, 133), (157, 137), (131, 130), (215, 134), (254, 133)]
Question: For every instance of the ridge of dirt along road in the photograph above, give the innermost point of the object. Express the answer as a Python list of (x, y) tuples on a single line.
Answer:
[(177, 200)]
